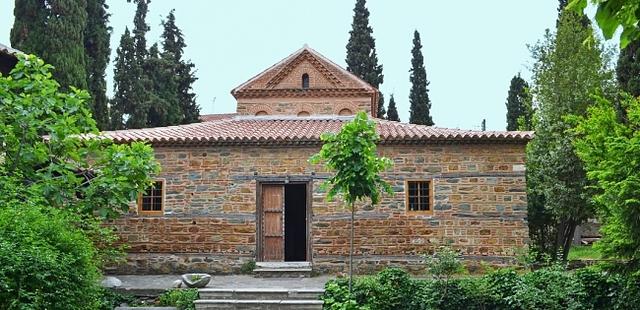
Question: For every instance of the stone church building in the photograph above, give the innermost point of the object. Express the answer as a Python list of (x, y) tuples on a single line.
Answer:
[(238, 187)]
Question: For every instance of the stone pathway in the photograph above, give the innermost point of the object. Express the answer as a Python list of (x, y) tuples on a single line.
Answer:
[(155, 283)]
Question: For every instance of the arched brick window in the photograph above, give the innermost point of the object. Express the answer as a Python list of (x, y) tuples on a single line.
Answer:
[(303, 113), (261, 113), (305, 81), (345, 111)]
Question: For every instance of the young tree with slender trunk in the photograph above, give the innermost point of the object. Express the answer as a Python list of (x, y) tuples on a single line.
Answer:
[(352, 155)]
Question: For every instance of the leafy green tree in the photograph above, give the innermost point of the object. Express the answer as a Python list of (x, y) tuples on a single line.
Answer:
[(628, 68), (352, 155), (173, 45), (54, 30), (67, 169), (96, 45), (517, 101), (362, 59), (609, 147), (419, 111), (56, 182), (565, 74), (613, 14), (392, 115)]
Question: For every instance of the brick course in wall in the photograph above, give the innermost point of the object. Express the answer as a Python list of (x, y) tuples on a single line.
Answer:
[(210, 220)]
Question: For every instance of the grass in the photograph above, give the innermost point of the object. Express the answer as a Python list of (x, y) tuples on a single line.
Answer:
[(579, 252)]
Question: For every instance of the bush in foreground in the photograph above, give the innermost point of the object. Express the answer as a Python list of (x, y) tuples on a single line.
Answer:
[(548, 288)]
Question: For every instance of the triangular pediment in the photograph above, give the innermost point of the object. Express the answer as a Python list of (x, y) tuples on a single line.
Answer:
[(287, 75)]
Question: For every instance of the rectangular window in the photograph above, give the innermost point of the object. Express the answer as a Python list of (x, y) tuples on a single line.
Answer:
[(418, 196), (152, 200)]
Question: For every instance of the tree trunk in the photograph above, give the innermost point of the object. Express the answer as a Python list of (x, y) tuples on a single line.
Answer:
[(353, 210)]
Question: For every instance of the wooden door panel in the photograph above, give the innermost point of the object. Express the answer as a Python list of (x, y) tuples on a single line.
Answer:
[(272, 222)]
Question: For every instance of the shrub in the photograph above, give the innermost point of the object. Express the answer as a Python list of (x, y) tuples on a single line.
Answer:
[(181, 298), (602, 289), (248, 267), (45, 262)]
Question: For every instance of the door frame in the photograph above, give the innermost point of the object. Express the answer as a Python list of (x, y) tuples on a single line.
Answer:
[(282, 181)]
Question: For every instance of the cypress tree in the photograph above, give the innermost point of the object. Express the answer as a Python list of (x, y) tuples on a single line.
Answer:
[(419, 94), (392, 114), (124, 80), (517, 100), (163, 97), (362, 58), (483, 124), (628, 68), (54, 30), (140, 95), (183, 71), (96, 44), (381, 111)]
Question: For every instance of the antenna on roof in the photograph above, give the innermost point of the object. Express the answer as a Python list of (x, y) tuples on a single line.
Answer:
[(213, 103)]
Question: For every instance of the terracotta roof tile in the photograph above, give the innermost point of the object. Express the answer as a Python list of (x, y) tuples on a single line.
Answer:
[(302, 130)]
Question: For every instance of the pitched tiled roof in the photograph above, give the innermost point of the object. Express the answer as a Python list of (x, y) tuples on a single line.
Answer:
[(216, 117), (6, 50), (267, 130)]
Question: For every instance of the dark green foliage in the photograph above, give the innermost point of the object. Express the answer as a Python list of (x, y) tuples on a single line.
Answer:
[(123, 81), (109, 299), (419, 111), (248, 267), (565, 75), (181, 298), (54, 30), (173, 45), (628, 69), (518, 103), (547, 288), (45, 262), (381, 111), (153, 88), (392, 114), (163, 97), (96, 44), (362, 59)]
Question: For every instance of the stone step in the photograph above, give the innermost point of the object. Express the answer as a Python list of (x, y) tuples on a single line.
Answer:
[(260, 294), (282, 272), (286, 265), (272, 304)]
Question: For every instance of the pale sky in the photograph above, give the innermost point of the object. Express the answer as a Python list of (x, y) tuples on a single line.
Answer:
[(472, 48)]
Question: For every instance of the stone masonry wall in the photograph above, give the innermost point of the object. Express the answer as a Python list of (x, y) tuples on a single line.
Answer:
[(295, 105), (210, 208)]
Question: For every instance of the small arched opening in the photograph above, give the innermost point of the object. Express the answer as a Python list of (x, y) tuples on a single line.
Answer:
[(261, 113), (305, 81), (303, 114), (345, 111)]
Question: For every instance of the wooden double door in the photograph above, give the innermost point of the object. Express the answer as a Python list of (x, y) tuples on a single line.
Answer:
[(283, 222)]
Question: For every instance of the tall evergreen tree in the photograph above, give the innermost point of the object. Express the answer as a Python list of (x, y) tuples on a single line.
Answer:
[(392, 114), (123, 81), (163, 97), (139, 98), (183, 70), (381, 111), (517, 100), (96, 44), (54, 30), (362, 58), (628, 68), (483, 124), (565, 75), (419, 94)]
